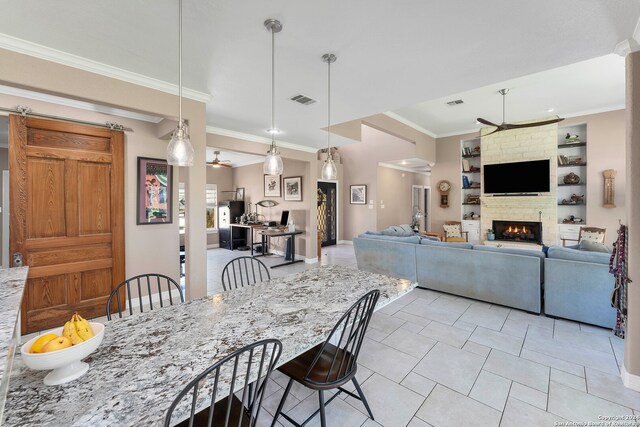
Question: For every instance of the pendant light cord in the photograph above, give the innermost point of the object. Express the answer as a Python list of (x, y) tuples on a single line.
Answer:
[(329, 110), (504, 97), (180, 64), (273, 87)]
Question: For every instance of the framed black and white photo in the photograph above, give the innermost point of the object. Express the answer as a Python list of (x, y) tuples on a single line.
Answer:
[(272, 186), (239, 193), (358, 194), (292, 188)]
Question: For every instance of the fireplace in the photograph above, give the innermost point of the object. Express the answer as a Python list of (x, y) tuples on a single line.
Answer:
[(518, 231)]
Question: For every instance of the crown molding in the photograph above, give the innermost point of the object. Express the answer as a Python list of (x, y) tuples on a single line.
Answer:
[(409, 123), (400, 168), (259, 139), (625, 47), (460, 132), (58, 100), (49, 54)]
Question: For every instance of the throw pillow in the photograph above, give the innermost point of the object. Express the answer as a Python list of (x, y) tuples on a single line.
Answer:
[(586, 245), (397, 231), (592, 236), (452, 230)]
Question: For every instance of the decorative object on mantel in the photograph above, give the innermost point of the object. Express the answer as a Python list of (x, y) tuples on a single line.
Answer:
[(571, 178), (180, 151), (618, 267), (444, 186), (292, 188), (508, 126), (155, 191), (273, 162), (609, 188), (358, 194), (491, 234), (574, 199), (329, 170)]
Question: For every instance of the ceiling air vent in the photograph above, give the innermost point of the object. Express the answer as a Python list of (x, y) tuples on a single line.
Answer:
[(454, 103), (303, 99)]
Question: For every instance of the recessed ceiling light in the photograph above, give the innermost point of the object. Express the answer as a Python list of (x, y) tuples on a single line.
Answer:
[(273, 131), (550, 110)]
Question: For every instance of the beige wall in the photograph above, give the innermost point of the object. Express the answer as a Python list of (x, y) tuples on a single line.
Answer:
[(360, 163), (148, 248), (43, 76), (394, 192), (605, 150), (448, 168)]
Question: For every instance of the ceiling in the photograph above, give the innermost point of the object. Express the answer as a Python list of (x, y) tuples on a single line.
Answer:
[(236, 158), (390, 54), (410, 165)]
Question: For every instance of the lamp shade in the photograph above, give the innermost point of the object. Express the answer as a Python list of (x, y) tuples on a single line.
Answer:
[(329, 170), (273, 162), (180, 151)]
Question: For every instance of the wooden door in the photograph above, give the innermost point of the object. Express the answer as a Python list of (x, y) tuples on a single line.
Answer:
[(67, 217)]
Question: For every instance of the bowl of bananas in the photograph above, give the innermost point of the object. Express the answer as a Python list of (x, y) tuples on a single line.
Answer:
[(61, 350)]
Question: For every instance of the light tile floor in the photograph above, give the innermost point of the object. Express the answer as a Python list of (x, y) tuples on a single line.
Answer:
[(433, 359)]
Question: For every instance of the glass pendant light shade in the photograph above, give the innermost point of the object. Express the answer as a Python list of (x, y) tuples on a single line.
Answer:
[(273, 163), (329, 170), (180, 151)]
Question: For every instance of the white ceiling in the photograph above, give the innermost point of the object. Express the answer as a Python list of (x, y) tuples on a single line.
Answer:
[(236, 158), (589, 86), (409, 165), (390, 54)]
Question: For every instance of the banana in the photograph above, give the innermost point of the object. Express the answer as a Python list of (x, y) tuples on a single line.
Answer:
[(82, 326), (69, 331)]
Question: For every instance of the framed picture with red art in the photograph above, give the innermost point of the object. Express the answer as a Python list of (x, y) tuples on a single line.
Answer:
[(155, 191)]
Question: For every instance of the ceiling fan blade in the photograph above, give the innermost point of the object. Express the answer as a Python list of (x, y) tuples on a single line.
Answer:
[(486, 122), (532, 124), (498, 129), (225, 165)]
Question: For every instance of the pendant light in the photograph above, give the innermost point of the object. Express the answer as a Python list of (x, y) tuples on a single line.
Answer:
[(180, 151), (329, 170), (273, 162)]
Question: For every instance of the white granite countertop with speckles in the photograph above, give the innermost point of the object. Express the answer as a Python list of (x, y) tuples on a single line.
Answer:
[(12, 281), (146, 360)]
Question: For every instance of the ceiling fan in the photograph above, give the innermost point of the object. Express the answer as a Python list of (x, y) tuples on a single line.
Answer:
[(508, 126), (217, 163)]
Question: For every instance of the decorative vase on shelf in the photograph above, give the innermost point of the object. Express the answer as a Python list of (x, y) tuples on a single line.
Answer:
[(571, 178)]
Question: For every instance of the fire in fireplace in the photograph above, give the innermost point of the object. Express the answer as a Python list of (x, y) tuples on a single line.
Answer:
[(518, 231)]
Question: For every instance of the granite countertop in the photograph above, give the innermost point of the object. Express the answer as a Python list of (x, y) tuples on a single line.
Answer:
[(12, 281), (146, 360)]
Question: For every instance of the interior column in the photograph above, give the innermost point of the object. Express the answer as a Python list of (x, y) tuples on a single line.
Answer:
[(631, 371)]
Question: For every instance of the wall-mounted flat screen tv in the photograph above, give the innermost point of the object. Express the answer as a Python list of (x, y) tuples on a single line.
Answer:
[(517, 178)]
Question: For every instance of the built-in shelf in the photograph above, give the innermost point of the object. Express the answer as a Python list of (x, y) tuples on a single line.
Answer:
[(577, 144), (470, 171), (570, 204), (469, 156), (471, 204), (573, 165), (571, 223), (571, 185), (471, 188)]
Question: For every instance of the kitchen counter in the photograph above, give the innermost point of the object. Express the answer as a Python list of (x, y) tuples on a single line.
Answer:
[(146, 360), (12, 281)]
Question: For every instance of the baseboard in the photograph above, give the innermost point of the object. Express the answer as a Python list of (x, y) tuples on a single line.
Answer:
[(345, 242), (311, 260), (281, 253), (630, 380), (213, 246)]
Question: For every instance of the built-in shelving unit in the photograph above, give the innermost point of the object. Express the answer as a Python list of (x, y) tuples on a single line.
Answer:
[(572, 158), (471, 154)]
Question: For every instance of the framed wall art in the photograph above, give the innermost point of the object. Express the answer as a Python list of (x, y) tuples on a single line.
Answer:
[(155, 191), (358, 194), (292, 188), (272, 186)]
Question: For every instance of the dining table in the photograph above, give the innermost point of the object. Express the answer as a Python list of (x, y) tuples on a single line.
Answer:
[(145, 360)]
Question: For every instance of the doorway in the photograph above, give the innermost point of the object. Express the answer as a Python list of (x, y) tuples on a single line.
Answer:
[(420, 199), (327, 213)]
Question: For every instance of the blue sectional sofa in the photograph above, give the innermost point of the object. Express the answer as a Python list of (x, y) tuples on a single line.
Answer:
[(576, 284)]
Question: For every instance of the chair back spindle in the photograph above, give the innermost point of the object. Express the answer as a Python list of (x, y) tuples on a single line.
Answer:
[(244, 271), (163, 284)]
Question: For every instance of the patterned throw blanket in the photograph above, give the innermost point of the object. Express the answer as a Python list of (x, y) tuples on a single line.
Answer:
[(618, 267)]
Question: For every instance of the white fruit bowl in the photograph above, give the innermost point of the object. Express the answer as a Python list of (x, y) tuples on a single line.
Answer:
[(65, 364)]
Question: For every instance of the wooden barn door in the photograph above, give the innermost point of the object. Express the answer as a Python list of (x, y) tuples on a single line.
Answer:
[(67, 217)]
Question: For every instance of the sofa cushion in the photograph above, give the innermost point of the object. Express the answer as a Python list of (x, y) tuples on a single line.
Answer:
[(375, 233), (446, 244), (586, 245), (403, 230), (456, 239), (558, 252), (410, 239), (514, 251)]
